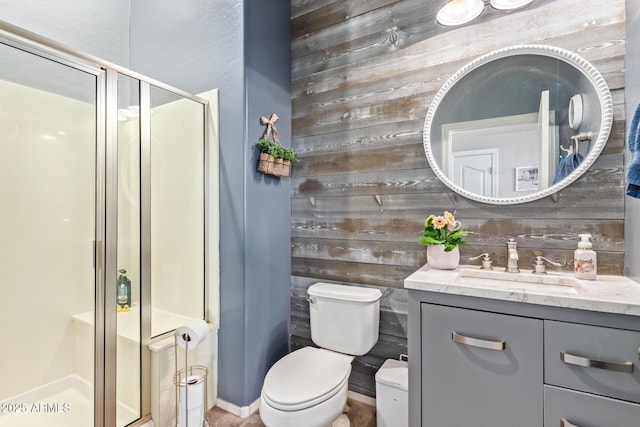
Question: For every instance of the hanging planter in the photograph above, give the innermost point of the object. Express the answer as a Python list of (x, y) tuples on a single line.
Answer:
[(274, 158)]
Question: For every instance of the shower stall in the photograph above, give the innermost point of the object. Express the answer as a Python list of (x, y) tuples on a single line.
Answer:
[(105, 218)]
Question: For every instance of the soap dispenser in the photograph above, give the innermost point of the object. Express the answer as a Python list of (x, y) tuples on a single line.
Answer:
[(585, 259), (124, 291)]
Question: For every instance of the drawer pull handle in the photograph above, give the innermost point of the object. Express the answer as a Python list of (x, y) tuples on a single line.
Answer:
[(598, 364), (475, 342), (565, 423)]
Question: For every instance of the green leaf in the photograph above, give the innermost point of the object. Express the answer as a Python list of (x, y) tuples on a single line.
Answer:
[(289, 154), (449, 247), (428, 240), (457, 234), (264, 145)]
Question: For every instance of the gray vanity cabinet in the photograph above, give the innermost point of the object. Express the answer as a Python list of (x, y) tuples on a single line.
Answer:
[(491, 353), (477, 362), (480, 368)]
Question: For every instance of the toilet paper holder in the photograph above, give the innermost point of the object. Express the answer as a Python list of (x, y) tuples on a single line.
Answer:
[(191, 386)]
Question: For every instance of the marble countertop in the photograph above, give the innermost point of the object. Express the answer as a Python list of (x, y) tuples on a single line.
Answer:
[(609, 294)]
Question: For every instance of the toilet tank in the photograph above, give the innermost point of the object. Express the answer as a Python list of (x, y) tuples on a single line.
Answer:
[(344, 318)]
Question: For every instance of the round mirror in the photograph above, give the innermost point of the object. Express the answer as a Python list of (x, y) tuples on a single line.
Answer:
[(518, 124)]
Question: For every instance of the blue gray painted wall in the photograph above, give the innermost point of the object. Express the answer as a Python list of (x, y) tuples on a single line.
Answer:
[(268, 199), (632, 99), (96, 27), (241, 47)]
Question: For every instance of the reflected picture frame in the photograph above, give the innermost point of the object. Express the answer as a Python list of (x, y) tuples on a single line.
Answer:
[(526, 178)]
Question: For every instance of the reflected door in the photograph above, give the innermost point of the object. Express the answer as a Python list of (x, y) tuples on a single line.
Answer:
[(473, 171)]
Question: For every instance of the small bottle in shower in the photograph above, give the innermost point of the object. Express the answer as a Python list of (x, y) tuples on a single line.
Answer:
[(124, 291)]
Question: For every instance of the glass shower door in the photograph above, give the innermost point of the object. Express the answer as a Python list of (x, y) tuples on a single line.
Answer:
[(160, 220), (102, 235), (47, 231), (128, 303)]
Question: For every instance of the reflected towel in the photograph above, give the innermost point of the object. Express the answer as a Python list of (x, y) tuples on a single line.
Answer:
[(633, 168), (566, 165)]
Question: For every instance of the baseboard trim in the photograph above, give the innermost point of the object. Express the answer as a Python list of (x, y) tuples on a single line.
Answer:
[(238, 411), (247, 411), (361, 398)]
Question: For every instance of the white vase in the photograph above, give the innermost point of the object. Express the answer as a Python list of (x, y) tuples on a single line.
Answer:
[(438, 258)]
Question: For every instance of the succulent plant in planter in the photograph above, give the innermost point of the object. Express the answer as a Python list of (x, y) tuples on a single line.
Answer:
[(264, 145), (289, 154), (277, 151), (274, 158)]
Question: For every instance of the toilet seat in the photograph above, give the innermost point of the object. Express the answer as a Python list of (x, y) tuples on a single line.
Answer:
[(305, 378), (320, 415)]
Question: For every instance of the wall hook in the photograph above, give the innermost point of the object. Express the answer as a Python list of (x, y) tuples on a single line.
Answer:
[(312, 200), (378, 199)]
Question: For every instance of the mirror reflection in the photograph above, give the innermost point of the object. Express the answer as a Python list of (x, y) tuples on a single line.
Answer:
[(514, 127)]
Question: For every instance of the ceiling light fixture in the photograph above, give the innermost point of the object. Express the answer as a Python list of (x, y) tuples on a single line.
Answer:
[(458, 12), (509, 4)]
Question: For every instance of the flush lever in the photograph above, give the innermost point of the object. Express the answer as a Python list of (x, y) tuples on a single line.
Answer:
[(312, 300)]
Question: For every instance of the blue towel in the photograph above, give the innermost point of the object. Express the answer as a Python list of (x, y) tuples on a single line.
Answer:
[(633, 168), (566, 165)]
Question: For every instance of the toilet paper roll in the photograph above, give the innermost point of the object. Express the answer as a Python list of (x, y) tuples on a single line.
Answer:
[(195, 418), (195, 391), (196, 329), (191, 402)]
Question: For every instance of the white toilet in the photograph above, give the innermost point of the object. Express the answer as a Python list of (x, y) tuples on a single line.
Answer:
[(308, 387)]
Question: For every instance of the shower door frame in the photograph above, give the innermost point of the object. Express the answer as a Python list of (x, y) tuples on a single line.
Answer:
[(106, 213)]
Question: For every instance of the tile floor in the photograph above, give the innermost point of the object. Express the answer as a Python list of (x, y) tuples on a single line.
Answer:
[(360, 414)]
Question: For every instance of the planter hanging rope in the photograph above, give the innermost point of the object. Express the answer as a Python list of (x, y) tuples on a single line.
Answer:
[(270, 124)]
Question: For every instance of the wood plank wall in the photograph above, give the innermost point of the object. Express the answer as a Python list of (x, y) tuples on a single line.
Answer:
[(363, 75)]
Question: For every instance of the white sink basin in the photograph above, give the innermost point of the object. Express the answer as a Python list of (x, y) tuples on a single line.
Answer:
[(539, 279)]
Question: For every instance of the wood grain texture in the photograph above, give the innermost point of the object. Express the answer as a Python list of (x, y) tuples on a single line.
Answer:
[(332, 13), (364, 73)]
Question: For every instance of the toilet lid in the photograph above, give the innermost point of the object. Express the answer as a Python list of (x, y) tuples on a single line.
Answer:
[(305, 378)]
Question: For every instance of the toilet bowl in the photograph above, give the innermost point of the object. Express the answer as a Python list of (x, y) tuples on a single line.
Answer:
[(308, 387)]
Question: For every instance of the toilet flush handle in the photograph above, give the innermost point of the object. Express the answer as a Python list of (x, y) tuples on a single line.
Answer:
[(312, 300)]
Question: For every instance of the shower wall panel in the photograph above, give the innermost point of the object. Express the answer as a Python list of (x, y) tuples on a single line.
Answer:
[(47, 185), (177, 211)]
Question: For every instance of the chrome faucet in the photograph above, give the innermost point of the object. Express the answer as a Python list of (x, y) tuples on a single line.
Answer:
[(512, 257)]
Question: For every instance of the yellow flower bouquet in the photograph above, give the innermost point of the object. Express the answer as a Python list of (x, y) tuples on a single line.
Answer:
[(443, 230)]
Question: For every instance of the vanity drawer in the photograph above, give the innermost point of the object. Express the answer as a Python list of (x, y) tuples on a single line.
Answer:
[(593, 359), (567, 408), (480, 369)]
